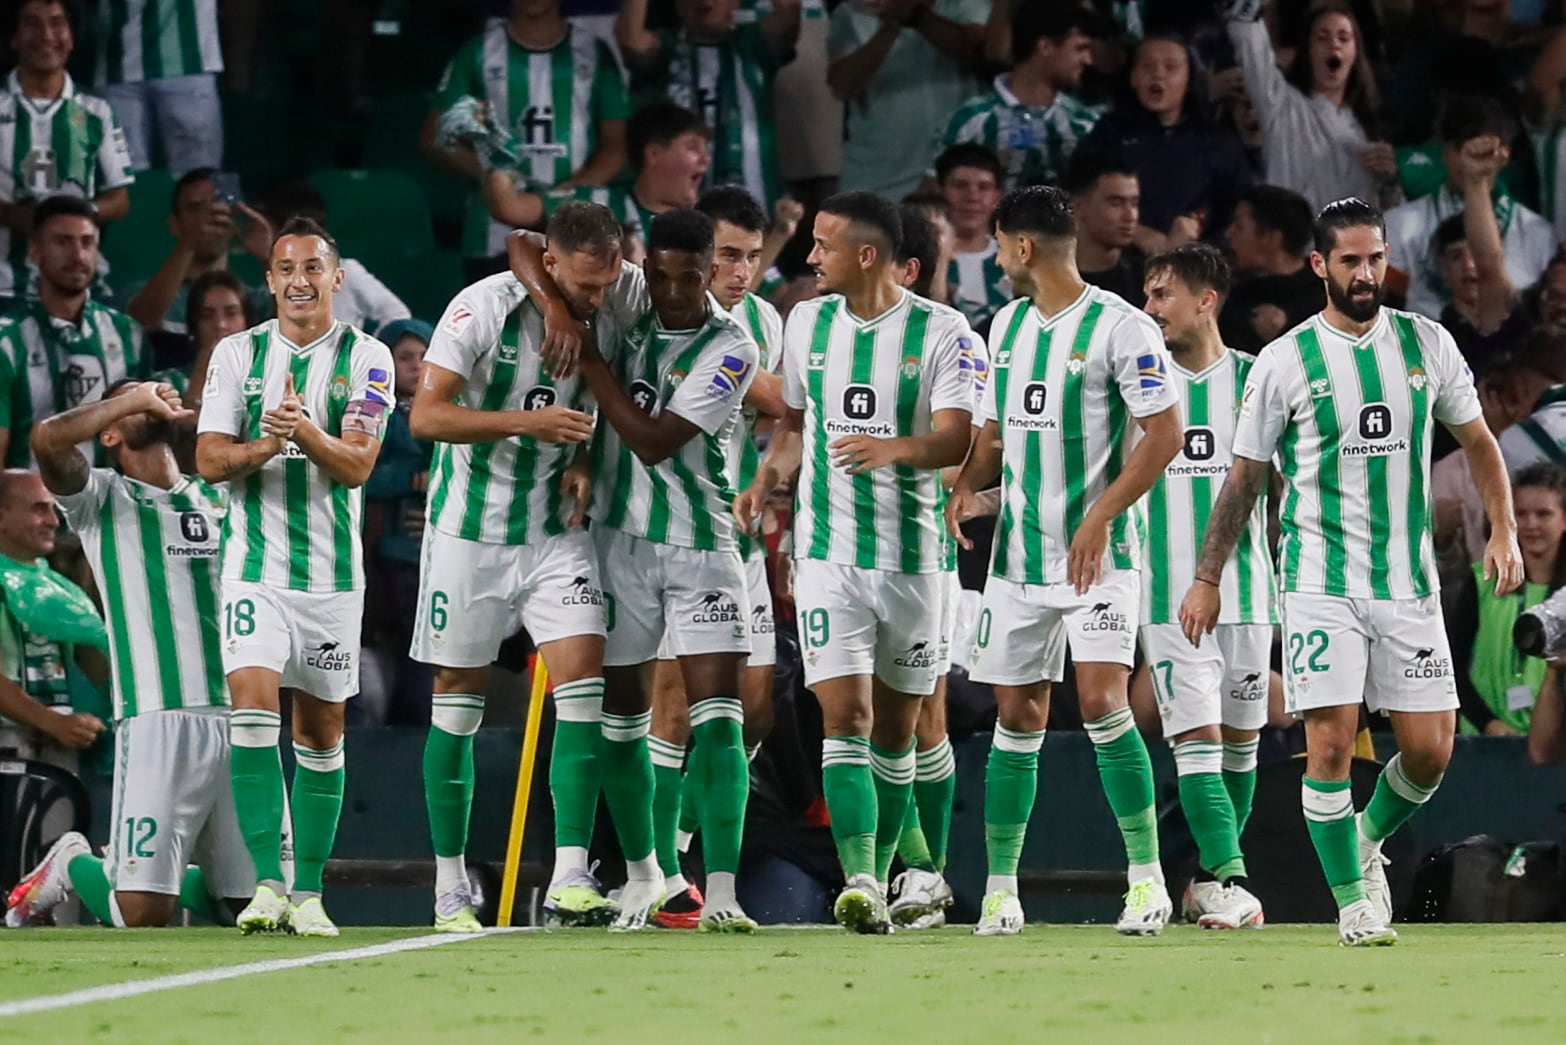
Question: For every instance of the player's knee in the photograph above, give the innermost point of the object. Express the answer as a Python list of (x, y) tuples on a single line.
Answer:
[(1425, 763), (461, 680), (145, 910), (846, 720)]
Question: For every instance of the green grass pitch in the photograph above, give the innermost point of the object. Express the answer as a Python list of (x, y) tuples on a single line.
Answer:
[(1500, 983)]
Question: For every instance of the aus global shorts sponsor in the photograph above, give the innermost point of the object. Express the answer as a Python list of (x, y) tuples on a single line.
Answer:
[(1252, 687), (1103, 617), (717, 608), (1426, 663), (582, 593), (329, 656), (760, 621), (921, 654)]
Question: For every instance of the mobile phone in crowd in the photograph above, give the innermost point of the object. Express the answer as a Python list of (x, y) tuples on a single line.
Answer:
[(226, 186)]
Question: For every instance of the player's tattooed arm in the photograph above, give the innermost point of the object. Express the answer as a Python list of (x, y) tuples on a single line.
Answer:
[(222, 458), (1231, 514), (64, 467), (564, 334)]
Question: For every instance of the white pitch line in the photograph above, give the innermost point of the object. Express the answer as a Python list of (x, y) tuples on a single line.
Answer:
[(132, 988)]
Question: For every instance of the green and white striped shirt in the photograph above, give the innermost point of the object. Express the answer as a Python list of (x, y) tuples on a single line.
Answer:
[(978, 283), (506, 492), (1349, 420), (157, 40), (1174, 512), (36, 664), (291, 525), (552, 102), (154, 554), (1061, 390), (765, 327), (1034, 144), (701, 375), (49, 365), (884, 377), (70, 145)]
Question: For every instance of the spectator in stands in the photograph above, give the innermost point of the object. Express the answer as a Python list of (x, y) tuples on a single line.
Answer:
[(217, 305), (722, 70), (1485, 317), (1029, 117), (900, 67), (1191, 169), (204, 231), (53, 138), (551, 145), (1547, 730), (158, 62), (1274, 290), (670, 154), (394, 527), (1474, 131), (1498, 688), (61, 348), (1550, 293), (969, 176), (36, 634), (1105, 193), (1538, 392), (1318, 119), (1459, 526)]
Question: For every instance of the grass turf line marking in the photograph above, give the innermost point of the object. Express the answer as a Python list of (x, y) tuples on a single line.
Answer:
[(132, 988)]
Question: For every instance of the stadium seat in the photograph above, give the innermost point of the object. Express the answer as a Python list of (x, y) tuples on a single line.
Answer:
[(138, 243), (375, 214), (425, 282), (392, 142)]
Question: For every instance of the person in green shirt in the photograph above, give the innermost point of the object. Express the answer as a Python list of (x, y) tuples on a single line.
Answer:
[(1496, 685)]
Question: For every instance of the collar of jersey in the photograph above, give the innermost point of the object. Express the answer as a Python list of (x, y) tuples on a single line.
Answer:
[(1049, 321), (1003, 90), (1343, 335), (41, 105), (304, 350), (1206, 371), (866, 324)]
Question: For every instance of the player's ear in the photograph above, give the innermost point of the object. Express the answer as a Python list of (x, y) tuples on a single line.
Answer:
[(337, 277), (1318, 264)]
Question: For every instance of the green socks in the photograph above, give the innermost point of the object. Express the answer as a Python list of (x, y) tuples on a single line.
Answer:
[(1208, 809), (1329, 815), (628, 782), (1011, 784), (1396, 798), (573, 760), (722, 778), (893, 775), (448, 769), (1239, 778), (196, 898), (91, 885), (256, 772), (668, 801), (1127, 775), (935, 786), (317, 801), (912, 845), (849, 790)]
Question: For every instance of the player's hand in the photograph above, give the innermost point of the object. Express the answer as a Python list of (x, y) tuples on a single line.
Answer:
[(162, 400), (555, 424), (1199, 611), (284, 419), (77, 731), (961, 505), (576, 486), (1503, 561), (747, 508), (1085, 557), (564, 336), (857, 454)]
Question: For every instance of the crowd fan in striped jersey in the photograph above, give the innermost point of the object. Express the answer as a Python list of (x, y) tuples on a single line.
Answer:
[(292, 416), (1069, 363), (1212, 700), (879, 398), (1345, 403), (969, 176), (739, 228), (158, 66), (151, 536), (504, 545)]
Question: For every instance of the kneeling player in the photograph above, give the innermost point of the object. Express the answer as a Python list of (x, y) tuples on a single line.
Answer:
[(151, 536)]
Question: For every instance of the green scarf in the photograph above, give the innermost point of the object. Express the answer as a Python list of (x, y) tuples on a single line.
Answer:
[(50, 607)]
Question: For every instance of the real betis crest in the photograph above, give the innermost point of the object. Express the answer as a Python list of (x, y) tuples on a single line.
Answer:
[(1076, 364), (910, 367), (252, 386), (1417, 379), (339, 389)]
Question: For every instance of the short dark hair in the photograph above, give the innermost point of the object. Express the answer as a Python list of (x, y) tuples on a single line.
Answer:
[(194, 176), (733, 204), (1543, 351), (1087, 166), (969, 154), (684, 229), (1034, 20), (1280, 210), (1197, 265), (13, 17), (1042, 210), (205, 284), (62, 206), (1467, 116), (873, 214), (920, 242), (1542, 474), (1450, 231), (659, 123), (298, 225), (1350, 213), (590, 228)]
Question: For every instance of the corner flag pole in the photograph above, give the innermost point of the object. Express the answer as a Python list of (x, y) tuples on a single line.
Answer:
[(535, 718)]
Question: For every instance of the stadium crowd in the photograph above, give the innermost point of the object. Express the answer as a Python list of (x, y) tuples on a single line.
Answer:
[(151, 155)]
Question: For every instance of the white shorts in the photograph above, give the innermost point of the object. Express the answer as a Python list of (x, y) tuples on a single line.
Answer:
[(951, 598), (1225, 682), (700, 596), (173, 806), (1023, 628), (311, 638), (472, 595), (854, 621), (763, 638), (1392, 651)]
